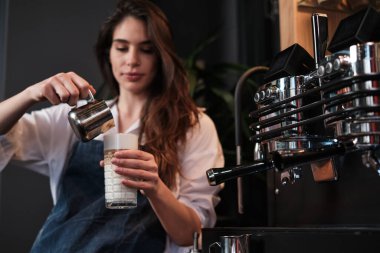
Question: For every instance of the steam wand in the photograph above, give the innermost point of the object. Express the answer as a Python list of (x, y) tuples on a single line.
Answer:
[(237, 112)]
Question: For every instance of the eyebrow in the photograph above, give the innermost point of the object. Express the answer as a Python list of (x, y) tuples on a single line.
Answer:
[(145, 42)]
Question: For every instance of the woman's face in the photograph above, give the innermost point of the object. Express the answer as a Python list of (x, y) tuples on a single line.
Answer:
[(133, 57)]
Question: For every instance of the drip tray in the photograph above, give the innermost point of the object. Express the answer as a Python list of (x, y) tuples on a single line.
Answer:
[(302, 240)]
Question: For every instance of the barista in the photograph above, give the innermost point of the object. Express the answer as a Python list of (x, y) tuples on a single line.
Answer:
[(137, 59)]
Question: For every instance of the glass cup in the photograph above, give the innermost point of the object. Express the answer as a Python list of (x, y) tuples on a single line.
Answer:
[(117, 195)]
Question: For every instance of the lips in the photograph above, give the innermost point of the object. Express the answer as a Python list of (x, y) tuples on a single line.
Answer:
[(132, 77)]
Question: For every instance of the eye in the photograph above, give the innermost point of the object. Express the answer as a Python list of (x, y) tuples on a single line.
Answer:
[(120, 46), (147, 49), (121, 49)]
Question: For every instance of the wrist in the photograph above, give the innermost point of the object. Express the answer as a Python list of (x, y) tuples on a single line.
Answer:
[(30, 95), (158, 193)]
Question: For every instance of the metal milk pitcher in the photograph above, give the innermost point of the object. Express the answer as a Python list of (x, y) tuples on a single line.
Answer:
[(91, 119), (232, 244)]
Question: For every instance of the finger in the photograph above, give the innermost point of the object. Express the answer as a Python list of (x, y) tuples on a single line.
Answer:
[(54, 91), (82, 85), (134, 154), (52, 96), (139, 175), (135, 164), (101, 163), (70, 86), (142, 185), (64, 88)]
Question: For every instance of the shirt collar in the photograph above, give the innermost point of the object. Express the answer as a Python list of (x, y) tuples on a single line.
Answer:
[(134, 128)]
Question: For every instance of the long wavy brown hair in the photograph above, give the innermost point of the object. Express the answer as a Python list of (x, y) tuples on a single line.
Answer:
[(170, 112)]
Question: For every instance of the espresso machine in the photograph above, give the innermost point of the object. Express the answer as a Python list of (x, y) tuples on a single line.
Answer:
[(331, 107), (316, 133)]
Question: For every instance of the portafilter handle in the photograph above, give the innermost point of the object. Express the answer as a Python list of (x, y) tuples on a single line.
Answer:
[(278, 161), (217, 176)]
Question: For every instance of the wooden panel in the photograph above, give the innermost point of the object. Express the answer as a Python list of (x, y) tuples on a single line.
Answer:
[(295, 24), (288, 23)]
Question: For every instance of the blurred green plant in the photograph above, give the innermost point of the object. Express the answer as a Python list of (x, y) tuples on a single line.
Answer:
[(210, 89)]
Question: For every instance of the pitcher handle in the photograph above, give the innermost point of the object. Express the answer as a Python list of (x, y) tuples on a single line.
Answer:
[(90, 99), (244, 244), (211, 248), (91, 96)]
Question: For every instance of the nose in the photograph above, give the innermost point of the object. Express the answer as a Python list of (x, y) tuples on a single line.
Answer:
[(133, 58)]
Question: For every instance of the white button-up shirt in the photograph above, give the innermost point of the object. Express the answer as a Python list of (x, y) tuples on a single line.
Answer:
[(42, 141)]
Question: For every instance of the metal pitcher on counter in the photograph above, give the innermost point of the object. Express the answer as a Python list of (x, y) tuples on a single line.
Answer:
[(231, 244), (91, 119)]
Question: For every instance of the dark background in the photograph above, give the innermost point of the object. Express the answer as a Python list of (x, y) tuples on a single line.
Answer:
[(42, 37)]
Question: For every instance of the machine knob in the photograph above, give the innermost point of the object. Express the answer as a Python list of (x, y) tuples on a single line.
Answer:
[(321, 71), (262, 94), (259, 96), (341, 63), (329, 67), (271, 92), (336, 64), (256, 97)]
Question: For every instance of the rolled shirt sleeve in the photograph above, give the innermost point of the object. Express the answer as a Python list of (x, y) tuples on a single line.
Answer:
[(202, 152), (39, 141), (8, 147)]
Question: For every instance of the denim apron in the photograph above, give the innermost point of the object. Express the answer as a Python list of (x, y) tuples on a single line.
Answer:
[(79, 222)]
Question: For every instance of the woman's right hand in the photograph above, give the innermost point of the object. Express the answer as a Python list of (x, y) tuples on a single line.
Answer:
[(61, 88)]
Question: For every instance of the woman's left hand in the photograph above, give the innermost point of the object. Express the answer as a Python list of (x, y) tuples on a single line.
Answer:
[(141, 172), (139, 168)]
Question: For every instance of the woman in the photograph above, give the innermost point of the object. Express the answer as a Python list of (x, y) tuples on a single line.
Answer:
[(136, 56)]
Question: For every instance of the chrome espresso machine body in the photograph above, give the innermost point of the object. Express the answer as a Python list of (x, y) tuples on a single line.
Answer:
[(316, 134), (313, 117)]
